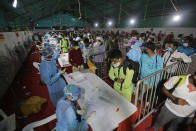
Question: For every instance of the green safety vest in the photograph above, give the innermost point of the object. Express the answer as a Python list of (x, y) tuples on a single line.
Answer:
[(64, 45)]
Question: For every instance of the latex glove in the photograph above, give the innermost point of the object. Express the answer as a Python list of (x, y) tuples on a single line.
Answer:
[(82, 112), (91, 117), (61, 72)]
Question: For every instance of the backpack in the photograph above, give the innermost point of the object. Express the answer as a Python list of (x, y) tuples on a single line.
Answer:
[(132, 65)]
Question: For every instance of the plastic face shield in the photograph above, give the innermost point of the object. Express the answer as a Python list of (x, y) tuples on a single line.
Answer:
[(73, 96)]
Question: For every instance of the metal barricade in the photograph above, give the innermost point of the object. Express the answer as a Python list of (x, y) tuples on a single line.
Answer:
[(102, 67), (147, 89)]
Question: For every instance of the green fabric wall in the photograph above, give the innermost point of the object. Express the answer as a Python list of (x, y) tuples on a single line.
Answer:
[(3, 22), (60, 20)]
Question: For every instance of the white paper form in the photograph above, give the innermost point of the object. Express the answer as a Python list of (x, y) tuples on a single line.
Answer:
[(63, 60), (111, 108)]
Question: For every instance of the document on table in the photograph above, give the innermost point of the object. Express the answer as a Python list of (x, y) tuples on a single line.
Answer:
[(111, 108), (63, 60)]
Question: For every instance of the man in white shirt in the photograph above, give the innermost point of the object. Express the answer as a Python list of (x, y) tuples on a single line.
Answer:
[(180, 106), (172, 55)]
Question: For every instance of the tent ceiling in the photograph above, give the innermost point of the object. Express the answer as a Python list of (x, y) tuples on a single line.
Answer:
[(93, 10)]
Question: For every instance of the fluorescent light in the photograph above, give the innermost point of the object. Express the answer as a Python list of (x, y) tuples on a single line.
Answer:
[(176, 18), (132, 21), (110, 23), (96, 24), (14, 3)]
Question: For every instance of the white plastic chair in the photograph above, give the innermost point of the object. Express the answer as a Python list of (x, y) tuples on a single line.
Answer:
[(8, 123), (32, 125)]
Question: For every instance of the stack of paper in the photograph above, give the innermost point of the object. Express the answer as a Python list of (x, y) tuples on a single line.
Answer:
[(64, 60)]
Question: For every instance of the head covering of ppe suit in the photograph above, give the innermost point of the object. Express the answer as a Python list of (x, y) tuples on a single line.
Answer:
[(66, 111), (49, 74), (135, 52)]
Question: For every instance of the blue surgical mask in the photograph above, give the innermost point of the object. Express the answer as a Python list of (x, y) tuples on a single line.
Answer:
[(185, 44), (169, 49)]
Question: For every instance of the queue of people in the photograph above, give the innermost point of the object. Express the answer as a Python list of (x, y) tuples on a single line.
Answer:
[(143, 58)]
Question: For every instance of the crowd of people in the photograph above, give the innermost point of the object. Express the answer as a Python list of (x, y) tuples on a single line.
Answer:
[(146, 53)]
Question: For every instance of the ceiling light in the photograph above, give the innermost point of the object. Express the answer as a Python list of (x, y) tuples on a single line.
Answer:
[(96, 24), (110, 23), (176, 18), (132, 21), (15, 4)]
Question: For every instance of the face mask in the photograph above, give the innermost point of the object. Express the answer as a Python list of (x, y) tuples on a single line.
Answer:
[(169, 49), (116, 65), (76, 47), (185, 44)]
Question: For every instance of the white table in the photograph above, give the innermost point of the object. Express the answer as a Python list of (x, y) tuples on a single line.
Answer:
[(111, 108)]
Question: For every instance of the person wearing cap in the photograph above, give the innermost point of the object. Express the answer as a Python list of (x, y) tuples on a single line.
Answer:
[(51, 76), (186, 47), (68, 116), (180, 106)]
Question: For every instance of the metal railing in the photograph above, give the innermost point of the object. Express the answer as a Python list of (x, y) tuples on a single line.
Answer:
[(148, 90)]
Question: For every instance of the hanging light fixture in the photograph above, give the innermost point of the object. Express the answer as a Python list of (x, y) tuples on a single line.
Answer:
[(96, 24), (176, 18), (132, 21), (14, 4)]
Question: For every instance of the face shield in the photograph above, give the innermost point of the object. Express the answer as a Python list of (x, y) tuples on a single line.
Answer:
[(72, 92), (47, 53)]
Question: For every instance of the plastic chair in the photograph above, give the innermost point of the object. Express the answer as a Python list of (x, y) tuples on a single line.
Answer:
[(8, 123), (32, 125)]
